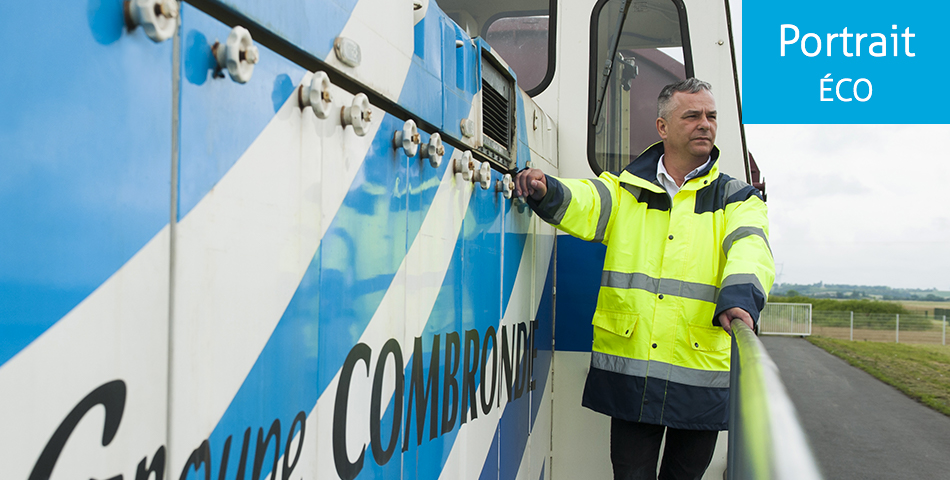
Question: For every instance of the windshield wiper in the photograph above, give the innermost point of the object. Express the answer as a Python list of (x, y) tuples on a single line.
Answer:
[(609, 64)]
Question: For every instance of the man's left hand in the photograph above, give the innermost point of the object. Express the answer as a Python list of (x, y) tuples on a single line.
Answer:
[(726, 318)]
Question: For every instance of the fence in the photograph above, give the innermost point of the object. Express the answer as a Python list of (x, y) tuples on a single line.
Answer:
[(880, 327), (786, 319), (766, 440)]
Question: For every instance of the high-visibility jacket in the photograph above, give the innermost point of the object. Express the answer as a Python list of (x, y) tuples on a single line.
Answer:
[(671, 267)]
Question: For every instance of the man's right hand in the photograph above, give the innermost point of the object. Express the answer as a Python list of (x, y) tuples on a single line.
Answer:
[(531, 182), (727, 317)]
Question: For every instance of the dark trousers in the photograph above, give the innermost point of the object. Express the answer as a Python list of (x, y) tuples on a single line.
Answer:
[(635, 449)]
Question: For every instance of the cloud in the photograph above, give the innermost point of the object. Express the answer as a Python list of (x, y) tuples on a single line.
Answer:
[(857, 204), (830, 184)]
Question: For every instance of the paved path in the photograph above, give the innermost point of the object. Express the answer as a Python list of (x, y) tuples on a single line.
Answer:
[(859, 427)]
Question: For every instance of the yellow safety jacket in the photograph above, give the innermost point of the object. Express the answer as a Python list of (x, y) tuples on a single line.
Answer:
[(659, 355)]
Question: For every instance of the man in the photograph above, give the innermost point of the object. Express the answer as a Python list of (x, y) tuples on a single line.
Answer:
[(687, 255)]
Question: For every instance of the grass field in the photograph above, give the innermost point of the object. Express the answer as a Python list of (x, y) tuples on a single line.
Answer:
[(919, 306), (922, 372)]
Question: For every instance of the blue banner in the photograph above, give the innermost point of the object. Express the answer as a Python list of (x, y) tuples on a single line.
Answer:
[(849, 62)]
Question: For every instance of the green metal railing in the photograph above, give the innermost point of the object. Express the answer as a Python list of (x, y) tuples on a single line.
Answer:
[(766, 440)]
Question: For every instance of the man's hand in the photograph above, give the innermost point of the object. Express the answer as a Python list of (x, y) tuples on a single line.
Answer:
[(531, 182), (726, 318)]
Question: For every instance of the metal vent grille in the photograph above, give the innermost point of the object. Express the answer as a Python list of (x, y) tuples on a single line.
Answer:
[(498, 129), (496, 111)]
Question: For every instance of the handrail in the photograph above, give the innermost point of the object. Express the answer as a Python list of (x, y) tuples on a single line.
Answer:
[(766, 440)]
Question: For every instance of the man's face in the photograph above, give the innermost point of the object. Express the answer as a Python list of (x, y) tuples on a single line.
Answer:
[(690, 128)]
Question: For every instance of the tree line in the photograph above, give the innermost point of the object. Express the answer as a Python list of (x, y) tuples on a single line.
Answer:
[(857, 306)]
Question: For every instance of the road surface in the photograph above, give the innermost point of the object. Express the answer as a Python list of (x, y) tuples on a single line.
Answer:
[(859, 427)]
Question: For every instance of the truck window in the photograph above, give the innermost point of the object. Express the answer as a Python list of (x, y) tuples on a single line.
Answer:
[(523, 42), (637, 47), (520, 31)]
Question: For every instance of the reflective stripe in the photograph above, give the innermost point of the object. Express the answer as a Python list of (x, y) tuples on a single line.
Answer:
[(558, 214), (743, 278), (659, 370), (732, 188), (695, 291), (635, 191), (743, 232), (666, 286), (606, 205)]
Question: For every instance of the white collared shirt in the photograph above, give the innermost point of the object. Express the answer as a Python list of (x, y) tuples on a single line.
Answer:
[(666, 180)]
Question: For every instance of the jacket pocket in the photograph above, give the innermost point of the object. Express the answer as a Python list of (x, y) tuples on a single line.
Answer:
[(708, 339), (617, 323)]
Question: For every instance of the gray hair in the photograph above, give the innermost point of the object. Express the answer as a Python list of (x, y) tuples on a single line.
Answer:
[(690, 85)]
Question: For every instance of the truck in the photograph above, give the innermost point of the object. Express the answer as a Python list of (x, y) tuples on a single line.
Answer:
[(245, 239)]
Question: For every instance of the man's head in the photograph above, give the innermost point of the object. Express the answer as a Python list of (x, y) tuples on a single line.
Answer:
[(686, 119)]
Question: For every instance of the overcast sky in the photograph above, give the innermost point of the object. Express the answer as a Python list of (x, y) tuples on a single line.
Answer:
[(856, 204)]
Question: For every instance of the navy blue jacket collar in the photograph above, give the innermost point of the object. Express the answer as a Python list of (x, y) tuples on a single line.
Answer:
[(644, 166)]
